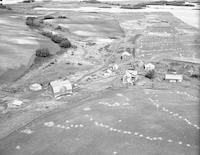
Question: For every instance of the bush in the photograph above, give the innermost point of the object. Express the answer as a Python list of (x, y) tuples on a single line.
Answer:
[(33, 22), (57, 39), (156, 3), (2, 7), (47, 34), (150, 74), (48, 17), (65, 44), (42, 52), (59, 28), (9, 8), (175, 3), (104, 6), (62, 17), (36, 6), (91, 1), (29, 20), (137, 6), (196, 76)]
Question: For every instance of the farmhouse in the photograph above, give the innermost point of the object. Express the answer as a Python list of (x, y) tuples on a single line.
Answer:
[(174, 77), (130, 77), (149, 66), (125, 56)]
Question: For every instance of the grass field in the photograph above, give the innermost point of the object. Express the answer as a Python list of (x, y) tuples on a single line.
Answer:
[(102, 116), (116, 122)]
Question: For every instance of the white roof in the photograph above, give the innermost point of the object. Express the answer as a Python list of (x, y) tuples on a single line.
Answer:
[(116, 66), (61, 87), (173, 76), (131, 72), (126, 53), (149, 65)]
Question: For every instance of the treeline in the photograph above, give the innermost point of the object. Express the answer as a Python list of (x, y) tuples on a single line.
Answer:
[(38, 23), (145, 4)]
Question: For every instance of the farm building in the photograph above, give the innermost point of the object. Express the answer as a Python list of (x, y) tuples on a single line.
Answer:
[(149, 66), (174, 77), (61, 87), (125, 56), (130, 77)]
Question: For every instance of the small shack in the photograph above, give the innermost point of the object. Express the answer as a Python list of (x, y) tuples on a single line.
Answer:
[(174, 77), (108, 73), (61, 87), (130, 77), (115, 67)]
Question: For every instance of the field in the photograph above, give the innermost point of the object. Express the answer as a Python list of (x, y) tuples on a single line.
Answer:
[(18, 45), (103, 116), (120, 121)]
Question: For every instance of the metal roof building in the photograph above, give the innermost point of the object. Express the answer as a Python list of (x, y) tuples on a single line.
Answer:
[(174, 77), (61, 87)]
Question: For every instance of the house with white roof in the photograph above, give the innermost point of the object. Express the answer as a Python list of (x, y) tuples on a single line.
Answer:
[(125, 56), (149, 66)]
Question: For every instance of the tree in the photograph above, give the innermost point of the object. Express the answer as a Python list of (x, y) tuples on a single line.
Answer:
[(65, 44), (150, 74), (42, 52)]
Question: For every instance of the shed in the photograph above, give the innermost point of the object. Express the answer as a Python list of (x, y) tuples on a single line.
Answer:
[(174, 77), (61, 87)]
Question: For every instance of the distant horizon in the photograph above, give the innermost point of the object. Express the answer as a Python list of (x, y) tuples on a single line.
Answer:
[(17, 1), (13, 1)]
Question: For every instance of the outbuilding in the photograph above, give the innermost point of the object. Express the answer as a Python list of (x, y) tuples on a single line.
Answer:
[(149, 66), (125, 56), (61, 87), (115, 67), (174, 77), (130, 76)]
